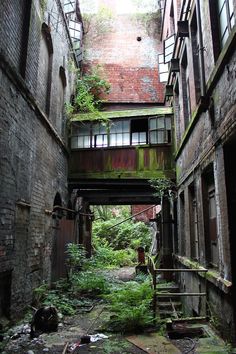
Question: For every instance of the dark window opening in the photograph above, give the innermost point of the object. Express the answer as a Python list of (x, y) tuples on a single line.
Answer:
[(5, 294), (181, 222), (195, 51), (185, 90), (25, 37), (139, 131), (194, 244), (210, 221)]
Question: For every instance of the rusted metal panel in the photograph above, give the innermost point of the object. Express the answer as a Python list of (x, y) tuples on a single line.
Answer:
[(133, 159), (65, 233), (87, 161), (120, 159)]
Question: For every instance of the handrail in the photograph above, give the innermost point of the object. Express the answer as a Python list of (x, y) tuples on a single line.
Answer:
[(154, 271)]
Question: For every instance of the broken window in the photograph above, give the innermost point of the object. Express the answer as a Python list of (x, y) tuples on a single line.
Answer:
[(160, 130), (155, 130), (139, 131)]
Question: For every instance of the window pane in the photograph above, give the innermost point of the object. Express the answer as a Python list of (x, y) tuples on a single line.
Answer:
[(84, 129), (112, 140), (119, 139), (126, 125), (153, 137), (160, 137), (126, 139), (134, 138), (74, 142), (163, 77), (225, 36), (86, 141), (142, 138), (223, 20), (220, 4), (80, 142), (160, 58), (153, 123), (168, 123), (161, 123)]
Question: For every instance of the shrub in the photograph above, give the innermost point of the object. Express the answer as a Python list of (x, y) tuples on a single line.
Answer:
[(89, 283), (131, 307)]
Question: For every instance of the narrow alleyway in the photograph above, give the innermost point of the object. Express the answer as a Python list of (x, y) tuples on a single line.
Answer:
[(88, 322)]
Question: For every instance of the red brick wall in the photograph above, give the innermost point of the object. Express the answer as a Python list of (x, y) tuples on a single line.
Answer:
[(146, 215), (130, 65)]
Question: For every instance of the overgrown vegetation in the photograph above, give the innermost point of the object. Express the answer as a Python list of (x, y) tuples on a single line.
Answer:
[(130, 307), (124, 236), (164, 187), (128, 303), (90, 88)]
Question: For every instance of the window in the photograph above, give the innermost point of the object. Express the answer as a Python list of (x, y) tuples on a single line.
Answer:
[(99, 135), (139, 131), (45, 69), (160, 130), (155, 130), (226, 19), (181, 224), (82, 138), (195, 52), (185, 90), (194, 246), (169, 48), (222, 22), (210, 221), (163, 69), (120, 133), (69, 6)]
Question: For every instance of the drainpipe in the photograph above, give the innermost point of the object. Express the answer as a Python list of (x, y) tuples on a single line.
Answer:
[(201, 49)]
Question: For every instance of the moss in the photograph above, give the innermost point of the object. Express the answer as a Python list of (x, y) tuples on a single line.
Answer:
[(122, 174), (126, 113)]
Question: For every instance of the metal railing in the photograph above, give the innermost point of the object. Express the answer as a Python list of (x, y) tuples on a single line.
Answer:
[(154, 272)]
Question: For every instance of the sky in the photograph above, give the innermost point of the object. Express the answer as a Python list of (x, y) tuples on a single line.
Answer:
[(121, 6)]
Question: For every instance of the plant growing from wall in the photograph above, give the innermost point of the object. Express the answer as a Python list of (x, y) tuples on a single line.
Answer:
[(164, 187), (90, 88)]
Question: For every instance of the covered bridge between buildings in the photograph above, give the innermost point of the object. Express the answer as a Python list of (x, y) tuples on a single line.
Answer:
[(112, 160)]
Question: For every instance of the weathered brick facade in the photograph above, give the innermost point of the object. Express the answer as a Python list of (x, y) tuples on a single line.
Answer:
[(128, 51), (204, 96), (33, 153)]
